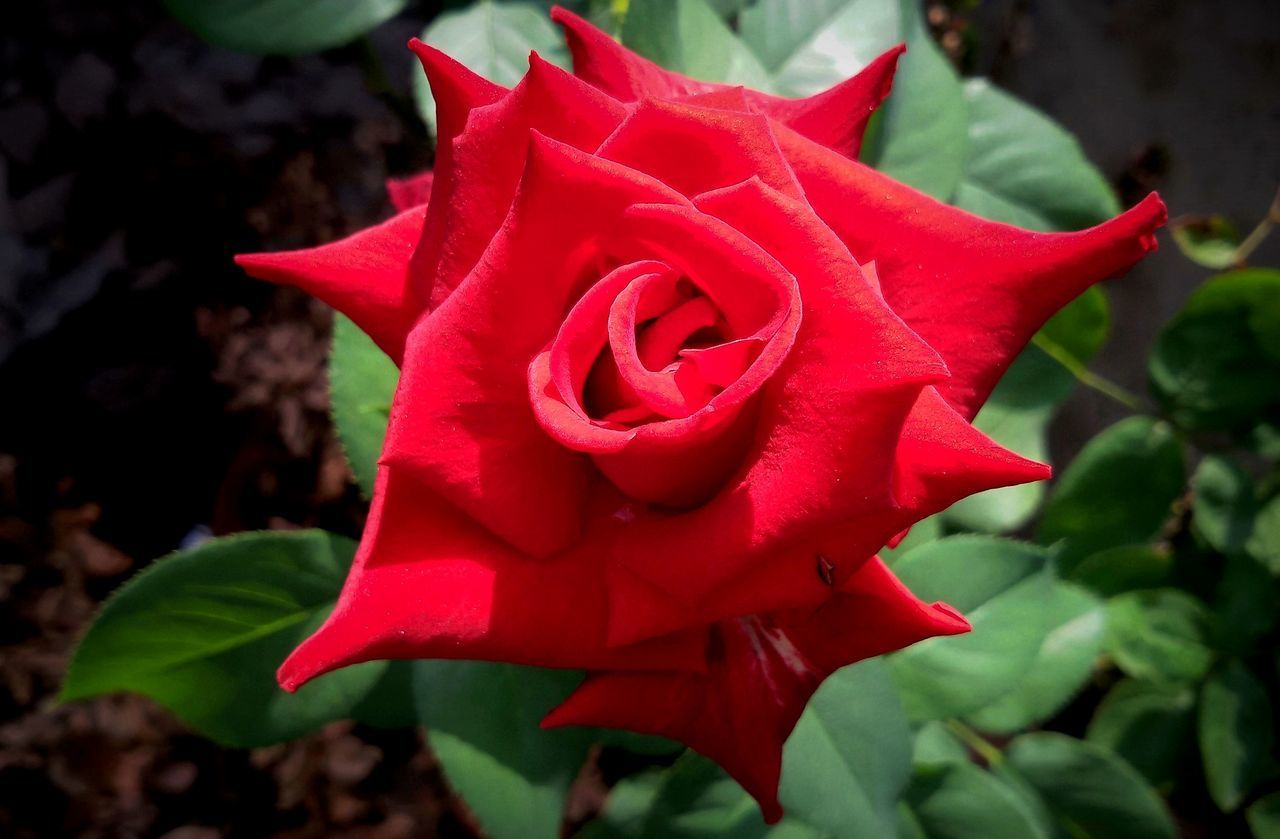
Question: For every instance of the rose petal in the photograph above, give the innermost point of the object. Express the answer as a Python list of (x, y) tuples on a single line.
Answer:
[(718, 148), (364, 276), (976, 290), (761, 673), (836, 117), (461, 420), (480, 167), (429, 583), (413, 191)]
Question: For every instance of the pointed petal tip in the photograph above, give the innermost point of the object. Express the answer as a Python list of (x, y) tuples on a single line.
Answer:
[(948, 621), (293, 674)]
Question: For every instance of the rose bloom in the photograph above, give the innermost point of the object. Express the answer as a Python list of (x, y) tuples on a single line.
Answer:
[(674, 366)]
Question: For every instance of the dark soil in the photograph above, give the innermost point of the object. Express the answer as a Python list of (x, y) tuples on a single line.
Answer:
[(151, 395)]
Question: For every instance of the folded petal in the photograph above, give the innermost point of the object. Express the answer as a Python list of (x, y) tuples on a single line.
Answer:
[(479, 167), (760, 674), (429, 583), (413, 191), (364, 276), (836, 117), (975, 290)]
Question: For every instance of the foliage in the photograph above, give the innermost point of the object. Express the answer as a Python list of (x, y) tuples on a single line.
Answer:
[(1145, 606)]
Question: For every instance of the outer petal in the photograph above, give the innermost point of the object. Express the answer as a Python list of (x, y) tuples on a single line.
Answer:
[(976, 290), (836, 117), (478, 168), (695, 149), (364, 276), (761, 672), (461, 421), (429, 583), (413, 191)]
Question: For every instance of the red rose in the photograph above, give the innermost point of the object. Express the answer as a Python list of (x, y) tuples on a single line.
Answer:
[(674, 367)]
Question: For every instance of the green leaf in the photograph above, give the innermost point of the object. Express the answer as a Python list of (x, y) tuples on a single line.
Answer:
[(1089, 791), (482, 723), (1216, 365), (1129, 568), (1244, 606), (694, 799), (1209, 241), (809, 45), (1264, 817), (849, 757), (689, 37), (1223, 505), (961, 801), (202, 632), (1004, 588), (1060, 669), (1263, 543), (1024, 169), (493, 39), (1118, 491), (1149, 724), (626, 809), (285, 27), (1236, 734), (362, 380), (1159, 634), (921, 136), (935, 743)]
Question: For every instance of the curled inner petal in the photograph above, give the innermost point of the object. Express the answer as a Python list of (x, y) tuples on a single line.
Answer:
[(654, 368)]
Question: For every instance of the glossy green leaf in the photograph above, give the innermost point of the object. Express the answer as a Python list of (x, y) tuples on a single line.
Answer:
[(362, 380), (849, 757), (493, 39), (288, 27), (1004, 588), (482, 723), (1149, 724), (689, 37), (1209, 241), (1223, 505), (921, 135), (1159, 634), (1060, 669), (1264, 817), (809, 45), (961, 801), (1236, 734), (1129, 568), (1088, 790), (202, 632), (1024, 169), (1216, 365), (1118, 491)]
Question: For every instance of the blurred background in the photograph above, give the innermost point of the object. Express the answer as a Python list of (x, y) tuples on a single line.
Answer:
[(151, 395)]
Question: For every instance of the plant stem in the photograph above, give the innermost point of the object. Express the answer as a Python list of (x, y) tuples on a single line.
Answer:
[(1087, 377), (1259, 234), (975, 741)]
